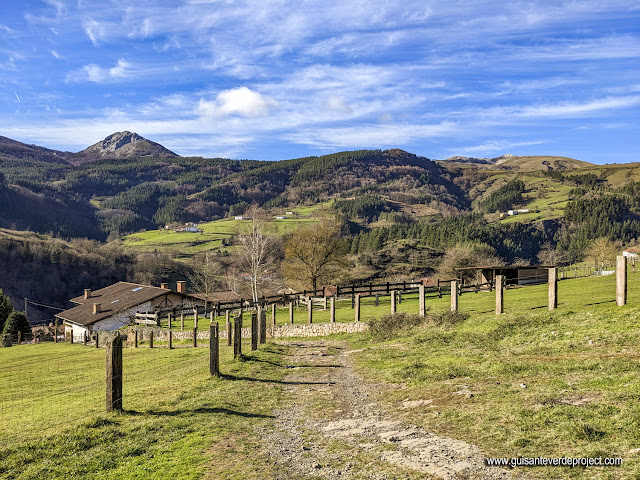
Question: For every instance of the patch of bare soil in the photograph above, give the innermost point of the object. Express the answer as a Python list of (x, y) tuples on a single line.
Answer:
[(333, 428)]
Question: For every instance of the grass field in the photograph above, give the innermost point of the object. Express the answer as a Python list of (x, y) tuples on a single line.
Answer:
[(186, 244), (178, 421), (579, 366)]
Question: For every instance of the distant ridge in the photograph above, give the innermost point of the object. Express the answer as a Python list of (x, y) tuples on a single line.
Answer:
[(14, 150), (522, 163), (122, 145)]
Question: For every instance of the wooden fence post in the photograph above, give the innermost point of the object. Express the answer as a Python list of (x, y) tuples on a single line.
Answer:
[(454, 295), (55, 332), (151, 339), (273, 313), (97, 342), (195, 337), (393, 302), (254, 331), (310, 310), (499, 294), (291, 313), (357, 312), (195, 318), (421, 304), (84, 338), (169, 320), (170, 339), (377, 299), (621, 280), (262, 323), (114, 374), (553, 288), (332, 309), (182, 321), (229, 332), (135, 338), (353, 301), (324, 302), (237, 336), (214, 347), (399, 298)]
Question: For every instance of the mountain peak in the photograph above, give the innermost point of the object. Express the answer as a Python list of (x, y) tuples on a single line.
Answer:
[(123, 145)]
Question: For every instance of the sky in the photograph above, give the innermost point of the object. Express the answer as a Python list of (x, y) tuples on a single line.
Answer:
[(279, 79)]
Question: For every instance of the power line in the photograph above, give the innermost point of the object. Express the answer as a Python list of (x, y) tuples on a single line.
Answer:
[(43, 305)]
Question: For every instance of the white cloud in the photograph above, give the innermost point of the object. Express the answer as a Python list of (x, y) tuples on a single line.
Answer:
[(56, 54), (237, 101), (337, 104), (94, 30), (97, 74), (493, 146)]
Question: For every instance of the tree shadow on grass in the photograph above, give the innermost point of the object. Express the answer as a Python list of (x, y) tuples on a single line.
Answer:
[(264, 380), (214, 410), (600, 303)]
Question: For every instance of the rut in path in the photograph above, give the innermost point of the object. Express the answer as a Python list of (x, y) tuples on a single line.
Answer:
[(370, 445)]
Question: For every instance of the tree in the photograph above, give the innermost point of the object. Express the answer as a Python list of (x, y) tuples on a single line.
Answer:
[(314, 253), (17, 322), (602, 251), (5, 309), (205, 273), (469, 254), (255, 254), (548, 255)]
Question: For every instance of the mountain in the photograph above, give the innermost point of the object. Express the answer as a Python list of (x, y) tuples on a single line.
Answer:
[(519, 163), (122, 145), (12, 150)]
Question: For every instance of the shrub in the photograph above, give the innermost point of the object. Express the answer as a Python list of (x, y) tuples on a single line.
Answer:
[(5, 309), (17, 322), (448, 318), (393, 325)]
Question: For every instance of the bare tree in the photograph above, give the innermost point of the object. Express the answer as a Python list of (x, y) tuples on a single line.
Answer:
[(602, 251), (256, 249), (205, 273)]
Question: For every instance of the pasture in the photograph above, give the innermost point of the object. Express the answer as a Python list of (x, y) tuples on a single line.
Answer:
[(529, 382)]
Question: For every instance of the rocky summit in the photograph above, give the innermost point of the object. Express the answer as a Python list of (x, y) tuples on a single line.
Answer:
[(123, 145)]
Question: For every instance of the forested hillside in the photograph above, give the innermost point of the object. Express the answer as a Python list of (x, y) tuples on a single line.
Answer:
[(400, 214)]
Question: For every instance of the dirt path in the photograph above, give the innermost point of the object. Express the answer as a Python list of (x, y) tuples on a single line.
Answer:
[(333, 428)]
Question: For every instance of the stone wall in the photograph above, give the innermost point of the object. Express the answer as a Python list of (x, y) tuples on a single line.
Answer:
[(279, 331), (315, 329)]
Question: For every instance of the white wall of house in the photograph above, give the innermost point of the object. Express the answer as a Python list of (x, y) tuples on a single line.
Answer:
[(108, 324)]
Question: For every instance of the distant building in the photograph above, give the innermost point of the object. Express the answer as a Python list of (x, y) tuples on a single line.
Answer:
[(280, 217), (512, 212), (288, 213), (187, 227), (631, 252)]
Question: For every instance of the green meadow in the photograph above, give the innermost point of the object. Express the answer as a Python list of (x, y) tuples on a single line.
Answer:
[(527, 383)]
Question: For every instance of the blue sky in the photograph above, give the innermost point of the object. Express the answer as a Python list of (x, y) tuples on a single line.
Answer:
[(276, 79)]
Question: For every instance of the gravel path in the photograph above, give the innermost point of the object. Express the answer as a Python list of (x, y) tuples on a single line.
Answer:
[(334, 430)]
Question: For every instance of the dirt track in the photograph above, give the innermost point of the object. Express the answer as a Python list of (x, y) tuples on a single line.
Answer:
[(333, 428)]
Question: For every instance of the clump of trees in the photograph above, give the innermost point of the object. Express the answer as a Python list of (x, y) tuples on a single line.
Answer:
[(504, 198)]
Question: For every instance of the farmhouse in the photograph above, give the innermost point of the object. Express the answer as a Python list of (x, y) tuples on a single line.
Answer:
[(115, 306)]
